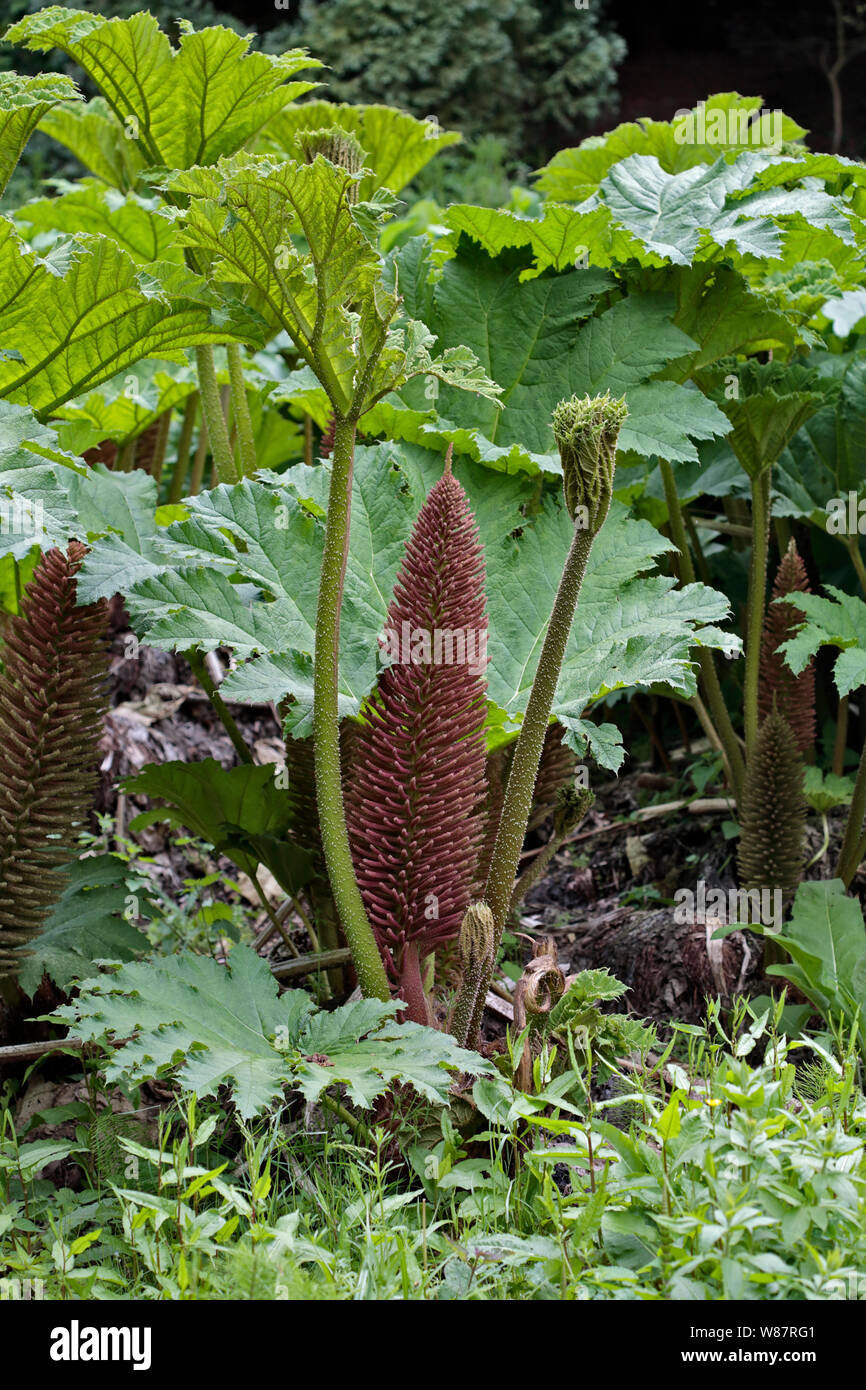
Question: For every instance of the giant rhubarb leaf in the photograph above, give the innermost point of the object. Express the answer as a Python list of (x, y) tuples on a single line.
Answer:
[(180, 585), (48, 496), (731, 121), (837, 621), (90, 923), (771, 403), (296, 241), (181, 106), (228, 1027), (23, 103), (125, 405), (243, 570), (240, 811), (676, 216), (133, 222), (527, 339), (77, 317), (97, 139)]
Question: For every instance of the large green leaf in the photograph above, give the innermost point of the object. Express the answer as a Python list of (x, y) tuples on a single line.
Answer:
[(838, 621), (133, 222), (367, 1061), (127, 404), (77, 318), (527, 337), (181, 106), (90, 923), (396, 145), (719, 310), (732, 123), (673, 215), (826, 939), (561, 237), (201, 607), (188, 1009), (240, 811), (227, 1027), (60, 498), (822, 462), (249, 218), (97, 139), (292, 237), (269, 538), (630, 628), (23, 103), (34, 501), (768, 406), (826, 458), (242, 570)]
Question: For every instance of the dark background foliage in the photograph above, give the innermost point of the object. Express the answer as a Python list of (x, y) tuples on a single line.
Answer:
[(522, 78)]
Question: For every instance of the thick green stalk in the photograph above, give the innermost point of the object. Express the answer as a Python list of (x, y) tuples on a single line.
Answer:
[(126, 457), (358, 1128), (572, 805), (213, 413), (586, 431), (757, 601), (850, 852), (243, 419), (199, 461), (840, 743), (724, 728), (517, 803), (160, 446), (326, 730), (184, 444), (479, 957)]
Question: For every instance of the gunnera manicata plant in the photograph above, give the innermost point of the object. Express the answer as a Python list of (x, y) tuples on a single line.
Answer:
[(417, 780)]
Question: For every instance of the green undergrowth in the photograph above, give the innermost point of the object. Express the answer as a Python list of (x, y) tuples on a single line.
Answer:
[(735, 1172)]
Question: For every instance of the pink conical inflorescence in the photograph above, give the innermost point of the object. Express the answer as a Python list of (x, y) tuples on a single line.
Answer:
[(417, 780), (794, 696)]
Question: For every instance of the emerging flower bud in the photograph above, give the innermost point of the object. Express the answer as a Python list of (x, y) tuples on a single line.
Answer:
[(477, 932), (586, 430), (478, 952), (338, 146), (572, 804)]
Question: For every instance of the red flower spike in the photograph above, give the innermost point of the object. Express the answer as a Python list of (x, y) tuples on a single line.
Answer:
[(415, 793), (794, 695), (52, 698)]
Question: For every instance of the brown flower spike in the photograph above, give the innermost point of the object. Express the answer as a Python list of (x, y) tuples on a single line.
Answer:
[(794, 696), (51, 703), (418, 770)]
